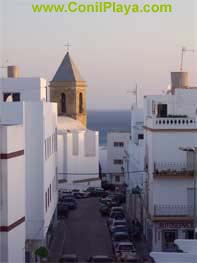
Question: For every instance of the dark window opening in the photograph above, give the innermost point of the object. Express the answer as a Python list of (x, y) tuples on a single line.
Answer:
[(118, 144), (80, 103), (118, 161), (63, 102), (16, 96), (140, 136), (117, 178), (12, 96), (162, 110), (5, 96)]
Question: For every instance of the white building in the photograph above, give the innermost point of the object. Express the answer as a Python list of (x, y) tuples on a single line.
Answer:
[(170, 123), (134, 168), (40, 132), (78, 158), (117, 143), (12, 193)]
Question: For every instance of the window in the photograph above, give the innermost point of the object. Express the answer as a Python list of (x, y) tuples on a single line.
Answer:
[(48, 197), (118, 144), (11, 97), (117, 178), (50, 192), (16, 96), (6, 96), (140, 136), (46, 201), (63, 102), (162, 110), (168, 237), (80, 102), (118, 161)]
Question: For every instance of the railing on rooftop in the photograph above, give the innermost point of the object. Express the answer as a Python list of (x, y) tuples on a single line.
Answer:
[(171, 123), (173, 210), (173, 169)]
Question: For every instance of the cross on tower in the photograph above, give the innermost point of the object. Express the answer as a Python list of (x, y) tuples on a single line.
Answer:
[(67, 46)]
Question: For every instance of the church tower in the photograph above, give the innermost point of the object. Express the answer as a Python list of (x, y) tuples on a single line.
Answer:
[(68, 90)]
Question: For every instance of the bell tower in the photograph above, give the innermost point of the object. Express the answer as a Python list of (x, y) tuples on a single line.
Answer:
[(68, 90)]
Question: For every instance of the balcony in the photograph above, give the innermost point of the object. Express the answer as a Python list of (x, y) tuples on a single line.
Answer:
[(171, 123), (173, 210), (173, 169)]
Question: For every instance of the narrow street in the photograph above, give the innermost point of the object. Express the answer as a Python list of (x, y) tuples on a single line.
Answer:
[(84, 233)]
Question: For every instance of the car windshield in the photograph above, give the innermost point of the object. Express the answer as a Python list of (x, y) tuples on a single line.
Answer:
[(120, 237), (120, 229), (119, 223), (126, 247)]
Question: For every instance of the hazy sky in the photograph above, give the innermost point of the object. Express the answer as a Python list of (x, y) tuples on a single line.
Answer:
[(113, 51)]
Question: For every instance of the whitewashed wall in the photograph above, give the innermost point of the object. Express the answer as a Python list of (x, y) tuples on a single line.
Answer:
[(12, 194)]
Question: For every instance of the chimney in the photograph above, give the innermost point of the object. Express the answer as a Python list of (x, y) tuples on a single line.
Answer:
[(13, 72), (179, 80)]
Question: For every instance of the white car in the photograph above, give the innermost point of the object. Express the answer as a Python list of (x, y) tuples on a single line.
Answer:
[(124, 250)]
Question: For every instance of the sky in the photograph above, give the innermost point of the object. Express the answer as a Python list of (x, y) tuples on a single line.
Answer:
[(112, 51)]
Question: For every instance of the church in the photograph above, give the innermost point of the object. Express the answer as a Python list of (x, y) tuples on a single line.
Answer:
[(78, 147)]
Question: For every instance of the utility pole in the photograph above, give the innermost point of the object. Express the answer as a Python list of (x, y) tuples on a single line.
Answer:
[(183, 51), (135, 92)]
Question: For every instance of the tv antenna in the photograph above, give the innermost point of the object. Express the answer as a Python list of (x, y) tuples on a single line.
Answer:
[(183, 51)]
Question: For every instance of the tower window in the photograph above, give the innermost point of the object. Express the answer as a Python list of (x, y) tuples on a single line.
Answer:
[(80, 103), (63, 102)]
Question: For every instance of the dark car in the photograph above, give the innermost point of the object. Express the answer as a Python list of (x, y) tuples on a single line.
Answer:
[(104, 210), (100, 259), (69, 202), (119, 229), (115, 215), (62, 210), (69, 258), (119, 237)]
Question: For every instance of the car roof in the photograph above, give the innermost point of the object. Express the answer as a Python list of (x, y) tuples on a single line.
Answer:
[(125, 243), (100, 256), (119, 220), (121, 233)]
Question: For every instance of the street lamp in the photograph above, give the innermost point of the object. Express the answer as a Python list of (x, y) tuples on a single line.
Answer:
[(193, 151)]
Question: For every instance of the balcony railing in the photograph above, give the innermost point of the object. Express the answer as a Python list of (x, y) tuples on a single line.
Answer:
[(173, 169), (171, 123), (173, 210)]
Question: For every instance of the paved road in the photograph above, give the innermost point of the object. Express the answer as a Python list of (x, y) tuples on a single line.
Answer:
[(84, 232)]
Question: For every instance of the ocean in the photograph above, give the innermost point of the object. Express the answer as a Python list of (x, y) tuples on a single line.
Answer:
[(106, 121)]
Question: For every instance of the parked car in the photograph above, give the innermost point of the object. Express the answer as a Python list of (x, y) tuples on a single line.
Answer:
[(106, 201), (120, 197), (116, 222), (120, 228), (70, 202), (100, 259), (117, 209), (119, 237), (115, 215), (85, 194), (62, 211), (104, 210), (131, 259), (64, 194), (69, 258), (124, 250)]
